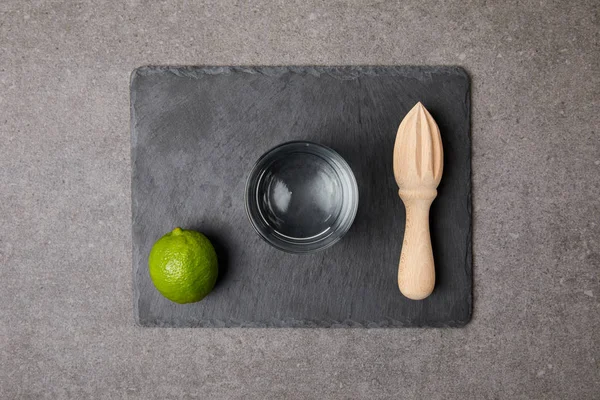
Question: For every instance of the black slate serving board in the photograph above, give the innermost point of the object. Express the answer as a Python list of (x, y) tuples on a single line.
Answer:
[(197, 131)]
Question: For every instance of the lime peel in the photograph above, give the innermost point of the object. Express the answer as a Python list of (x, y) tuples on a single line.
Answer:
[(183, 266)]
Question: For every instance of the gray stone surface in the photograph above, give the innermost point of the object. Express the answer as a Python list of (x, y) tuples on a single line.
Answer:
[(66, 326), (197, 132)]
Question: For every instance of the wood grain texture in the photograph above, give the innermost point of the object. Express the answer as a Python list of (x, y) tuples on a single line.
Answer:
[(418, 167), (196, 132)]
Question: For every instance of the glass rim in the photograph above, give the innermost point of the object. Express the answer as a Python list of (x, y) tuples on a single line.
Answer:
[(298, 246)]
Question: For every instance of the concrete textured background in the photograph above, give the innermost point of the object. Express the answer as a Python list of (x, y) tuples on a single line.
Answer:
[(66, 323)]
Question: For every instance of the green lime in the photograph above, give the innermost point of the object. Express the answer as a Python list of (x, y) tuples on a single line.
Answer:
[(183, 266)]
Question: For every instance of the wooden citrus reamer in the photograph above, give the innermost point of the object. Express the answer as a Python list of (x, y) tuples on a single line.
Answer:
[(418, 165)]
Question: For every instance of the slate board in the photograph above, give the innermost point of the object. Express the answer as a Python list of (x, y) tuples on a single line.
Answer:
[(196, 132)]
